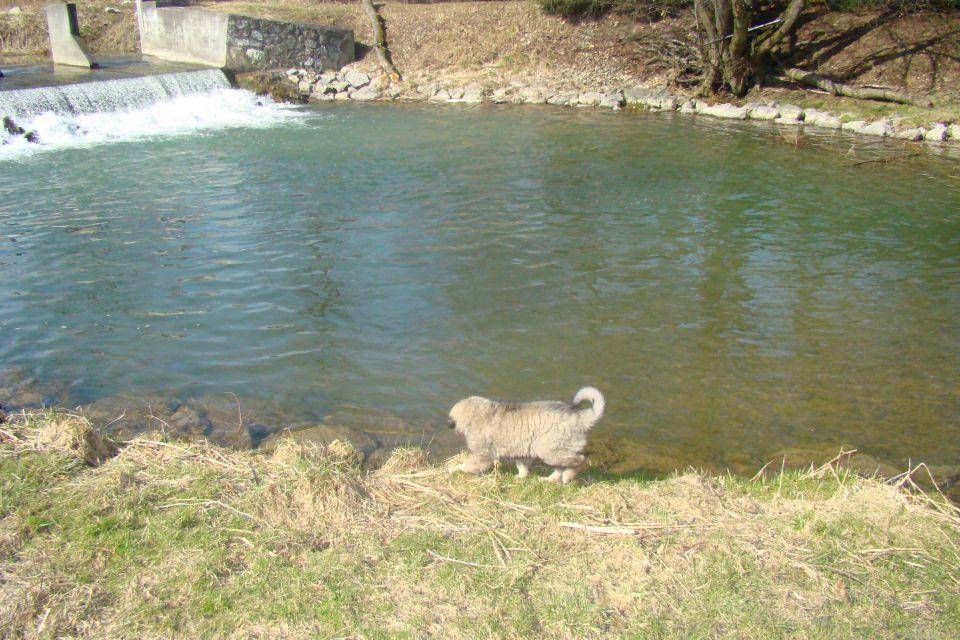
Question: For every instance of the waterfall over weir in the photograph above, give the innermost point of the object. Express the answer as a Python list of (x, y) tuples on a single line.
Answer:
[(110, 95), (43, 119)]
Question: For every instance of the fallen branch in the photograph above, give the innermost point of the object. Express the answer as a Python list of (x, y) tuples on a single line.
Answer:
[(890, 159), (610, 531), (850, 91), (463, 562), (199, 502), (380, 40)]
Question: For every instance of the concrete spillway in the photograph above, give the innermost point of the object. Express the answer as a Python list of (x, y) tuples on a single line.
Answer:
[(110, 95)]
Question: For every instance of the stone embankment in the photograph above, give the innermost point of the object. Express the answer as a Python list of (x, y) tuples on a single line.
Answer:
[(353, 84)]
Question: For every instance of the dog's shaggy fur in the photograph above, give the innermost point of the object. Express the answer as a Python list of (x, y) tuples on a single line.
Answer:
[(552, 432)]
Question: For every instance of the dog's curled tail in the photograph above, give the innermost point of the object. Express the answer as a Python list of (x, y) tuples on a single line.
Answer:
[(596, 401)]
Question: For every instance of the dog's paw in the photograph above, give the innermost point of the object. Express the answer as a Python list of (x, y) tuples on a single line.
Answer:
[(453, 468), (556, 476)]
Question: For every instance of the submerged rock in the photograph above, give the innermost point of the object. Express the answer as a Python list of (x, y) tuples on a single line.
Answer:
[(19, 390), (124, 416), (816, 456), (324, 434), (240, 422), (623, 454)]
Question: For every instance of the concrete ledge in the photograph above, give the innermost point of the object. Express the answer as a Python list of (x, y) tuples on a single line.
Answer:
[(66, 45), (182, 35)]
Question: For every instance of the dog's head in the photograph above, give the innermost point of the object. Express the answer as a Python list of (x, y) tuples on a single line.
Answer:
[(465, 412)]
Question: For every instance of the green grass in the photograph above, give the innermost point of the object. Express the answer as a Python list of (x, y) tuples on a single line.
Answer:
[(173, 540)]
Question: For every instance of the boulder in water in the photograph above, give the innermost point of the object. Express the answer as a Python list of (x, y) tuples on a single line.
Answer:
[(14, 129), (11, 127)]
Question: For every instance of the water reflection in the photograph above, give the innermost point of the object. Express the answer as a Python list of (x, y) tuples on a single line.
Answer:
[(731, 296)]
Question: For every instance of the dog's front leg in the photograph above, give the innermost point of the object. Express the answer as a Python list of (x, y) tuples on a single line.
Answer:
[(563, 474), (523, 467), (473, 464)]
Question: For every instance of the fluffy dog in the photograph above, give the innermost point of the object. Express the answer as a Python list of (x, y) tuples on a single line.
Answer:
[(550, 431)]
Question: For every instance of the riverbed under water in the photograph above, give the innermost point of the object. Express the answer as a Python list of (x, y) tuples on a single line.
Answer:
[(732, 290)]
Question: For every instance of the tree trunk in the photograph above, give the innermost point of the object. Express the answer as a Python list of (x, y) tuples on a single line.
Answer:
[(380, 40), (736, 54)]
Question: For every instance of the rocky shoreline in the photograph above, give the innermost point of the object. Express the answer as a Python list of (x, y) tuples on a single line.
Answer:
[(354, 84)]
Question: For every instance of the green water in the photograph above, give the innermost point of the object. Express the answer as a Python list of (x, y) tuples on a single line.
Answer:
[(731, 293)]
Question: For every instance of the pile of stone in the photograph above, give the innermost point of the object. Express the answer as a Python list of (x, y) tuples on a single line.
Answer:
[(346, 85), (353, 84), (788, 114)]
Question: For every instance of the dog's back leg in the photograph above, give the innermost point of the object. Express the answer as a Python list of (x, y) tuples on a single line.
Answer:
[(565, 466)]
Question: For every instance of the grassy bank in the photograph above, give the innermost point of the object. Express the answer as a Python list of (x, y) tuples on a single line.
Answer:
[(166, 539)]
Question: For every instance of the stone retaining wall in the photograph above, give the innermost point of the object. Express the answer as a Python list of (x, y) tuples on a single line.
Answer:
[(239, 43), (255, 43)]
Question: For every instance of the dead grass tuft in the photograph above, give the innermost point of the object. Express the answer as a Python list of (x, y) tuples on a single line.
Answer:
[(60, 432), (343, 451), (404, 460)]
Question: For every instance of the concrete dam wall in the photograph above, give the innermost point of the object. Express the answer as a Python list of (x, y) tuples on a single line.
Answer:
[(239, 43)]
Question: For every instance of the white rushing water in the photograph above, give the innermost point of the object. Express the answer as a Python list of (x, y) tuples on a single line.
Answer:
[(128, 109)]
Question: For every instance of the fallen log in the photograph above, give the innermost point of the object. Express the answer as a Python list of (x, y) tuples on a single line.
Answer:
[(850, 91)]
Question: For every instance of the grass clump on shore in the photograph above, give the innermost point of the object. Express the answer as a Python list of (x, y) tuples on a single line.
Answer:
[(167, 539)]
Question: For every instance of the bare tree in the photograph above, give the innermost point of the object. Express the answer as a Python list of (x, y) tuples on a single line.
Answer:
[(736, 51)]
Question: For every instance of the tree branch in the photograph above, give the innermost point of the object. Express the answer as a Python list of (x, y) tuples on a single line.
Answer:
[(790, 17)]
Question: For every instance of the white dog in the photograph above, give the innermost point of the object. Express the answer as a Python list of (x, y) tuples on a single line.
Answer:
[(553, 432)]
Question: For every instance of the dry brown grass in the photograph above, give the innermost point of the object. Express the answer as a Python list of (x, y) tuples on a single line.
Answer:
[(169, 538), (24, 36)]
